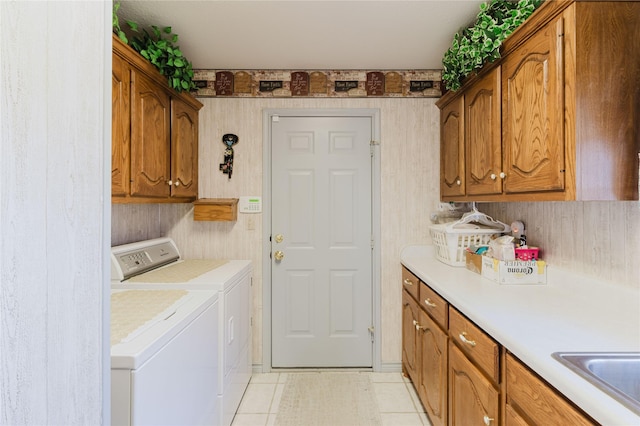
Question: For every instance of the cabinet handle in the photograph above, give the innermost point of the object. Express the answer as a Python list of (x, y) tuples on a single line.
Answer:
[(417, 325), (407, 281), (487, 420), (463, 337), (169, 182), (502, 175), (493, 176), (177, 183), (458, 182), (429, 303)]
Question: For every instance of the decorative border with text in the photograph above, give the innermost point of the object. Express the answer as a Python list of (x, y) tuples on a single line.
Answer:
[(318, 84)]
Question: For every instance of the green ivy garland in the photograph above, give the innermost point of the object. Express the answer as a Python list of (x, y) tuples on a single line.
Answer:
[(479, 43), (160, 51)]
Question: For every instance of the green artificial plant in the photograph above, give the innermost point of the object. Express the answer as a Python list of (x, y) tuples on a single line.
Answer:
[(160, 49), (479, 43)]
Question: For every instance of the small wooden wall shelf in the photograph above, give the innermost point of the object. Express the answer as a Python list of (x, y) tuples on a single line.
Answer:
[(216, 209)]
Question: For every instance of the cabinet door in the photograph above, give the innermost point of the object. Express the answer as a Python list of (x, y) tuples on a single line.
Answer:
[(473, 399), (537, 400), (150, 138), (452, 149), (512, 418), (533, 113), (483, 135), (184, 150), (432, 387), (120, 126), (410, 317)]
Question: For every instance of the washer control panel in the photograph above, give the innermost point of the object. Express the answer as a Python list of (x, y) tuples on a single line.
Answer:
[(136, 258)]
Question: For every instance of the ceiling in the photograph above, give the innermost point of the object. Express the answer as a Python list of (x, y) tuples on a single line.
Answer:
[(308, 34)]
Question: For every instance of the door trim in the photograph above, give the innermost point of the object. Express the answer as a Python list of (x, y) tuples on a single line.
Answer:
[(267, 114)]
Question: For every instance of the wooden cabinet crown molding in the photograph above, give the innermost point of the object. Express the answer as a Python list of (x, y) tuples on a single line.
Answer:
[(127, 53)]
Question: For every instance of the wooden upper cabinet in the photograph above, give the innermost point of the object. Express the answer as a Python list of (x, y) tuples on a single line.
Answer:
[(154, 134), (568, 90), (482, 135), (150, 139), (452, 149), (184, 149), (120, 126), (607, 99), (533, 113)]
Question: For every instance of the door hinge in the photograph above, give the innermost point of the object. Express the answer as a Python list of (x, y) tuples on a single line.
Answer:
[(372, 332), (372, 147)]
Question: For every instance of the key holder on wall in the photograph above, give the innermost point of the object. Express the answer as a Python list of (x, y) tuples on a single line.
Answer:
[(229, 140)]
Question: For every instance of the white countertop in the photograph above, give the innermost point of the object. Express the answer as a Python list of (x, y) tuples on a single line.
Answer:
[(571, 313)]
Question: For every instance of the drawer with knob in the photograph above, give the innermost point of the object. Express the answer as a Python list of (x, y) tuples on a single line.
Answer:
[(434, 305), (410, 282), (475, 343)]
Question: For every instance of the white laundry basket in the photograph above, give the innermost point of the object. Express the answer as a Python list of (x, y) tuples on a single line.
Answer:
[(451, 240)]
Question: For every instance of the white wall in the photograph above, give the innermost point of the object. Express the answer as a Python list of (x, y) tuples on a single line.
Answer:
[(54, 121)]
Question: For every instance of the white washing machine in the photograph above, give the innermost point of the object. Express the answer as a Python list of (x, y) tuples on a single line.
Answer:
[(163, 357), (157, 264)]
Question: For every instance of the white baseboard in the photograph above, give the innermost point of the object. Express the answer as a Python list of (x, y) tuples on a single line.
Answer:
[(385, 367)]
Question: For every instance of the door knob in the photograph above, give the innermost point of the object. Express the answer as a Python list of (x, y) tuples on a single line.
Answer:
[(278, 255), (279, 238)]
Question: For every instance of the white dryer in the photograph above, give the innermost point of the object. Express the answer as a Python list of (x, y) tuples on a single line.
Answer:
[(157, 264), (163, 357)]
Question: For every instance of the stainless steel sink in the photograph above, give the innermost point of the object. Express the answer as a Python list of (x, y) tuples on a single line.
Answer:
[(616, 373)]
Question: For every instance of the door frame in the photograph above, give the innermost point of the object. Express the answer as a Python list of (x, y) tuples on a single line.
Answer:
[(267, 117)]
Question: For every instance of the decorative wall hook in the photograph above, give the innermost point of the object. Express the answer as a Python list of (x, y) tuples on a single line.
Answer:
[(229, 140)]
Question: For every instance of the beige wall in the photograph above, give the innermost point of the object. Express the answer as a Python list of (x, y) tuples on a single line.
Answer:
[(409, 174), (599, 238)]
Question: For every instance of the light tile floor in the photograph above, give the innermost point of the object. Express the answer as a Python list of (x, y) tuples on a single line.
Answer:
[(397, 400)]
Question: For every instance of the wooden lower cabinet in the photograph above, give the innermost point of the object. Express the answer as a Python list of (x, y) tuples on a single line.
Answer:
[(433, 353), (531, 401), (464, 377), (512, 418), (473, 399), (410, 317)]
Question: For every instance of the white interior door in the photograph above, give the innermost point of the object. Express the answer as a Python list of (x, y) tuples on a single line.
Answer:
[(321, 228)]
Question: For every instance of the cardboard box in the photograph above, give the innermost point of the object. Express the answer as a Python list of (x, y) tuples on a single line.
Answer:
[(473, 262), (514, 271)]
